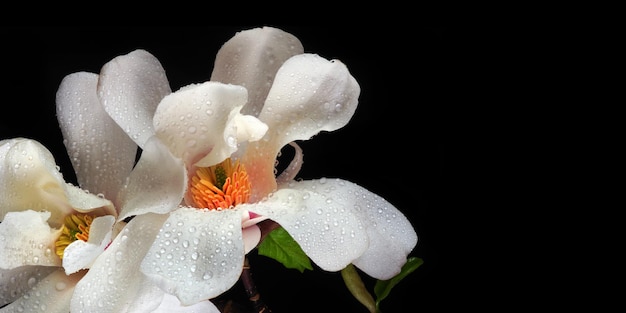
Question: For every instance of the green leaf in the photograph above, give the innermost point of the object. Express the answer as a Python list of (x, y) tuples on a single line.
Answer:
[(280, 246), (354, 283), (383, 287)]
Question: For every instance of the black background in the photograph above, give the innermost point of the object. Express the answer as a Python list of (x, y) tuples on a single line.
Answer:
[(400, 144)]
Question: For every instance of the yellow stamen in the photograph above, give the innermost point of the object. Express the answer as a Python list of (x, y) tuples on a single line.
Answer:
[(76, 227), (220, 186)]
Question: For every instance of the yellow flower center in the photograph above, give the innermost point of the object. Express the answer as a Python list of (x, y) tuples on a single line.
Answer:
[(220, 186), (76, 227)]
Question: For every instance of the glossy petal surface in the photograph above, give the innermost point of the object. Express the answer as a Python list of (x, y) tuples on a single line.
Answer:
[(251, 59), (130, 88), (197, 255), (100, 151)]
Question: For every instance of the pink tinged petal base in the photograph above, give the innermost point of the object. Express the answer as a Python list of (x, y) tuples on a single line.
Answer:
[(27, 239), (17, 281), (201, 122), (197, 255), (51, 295), (79, 254), (320, 220), (390, 235), (113, 283), (101, 153), (157, 183), (31, 180), (251, 59), (130, 89)]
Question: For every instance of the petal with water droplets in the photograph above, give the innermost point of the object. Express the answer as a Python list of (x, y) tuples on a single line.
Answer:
[(251, 59), (309, 94), (80, 254), (130, 89), (101, 153), (31, 180), (320, 221), (51, 295), (156, 184), (197, 255), (27, 239), (201, 123), (17, 281), (113, 283)]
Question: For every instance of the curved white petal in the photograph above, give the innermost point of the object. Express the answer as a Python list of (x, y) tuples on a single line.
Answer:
[(27, 239), (157, 184), (85, 202), (113, 283), (17, 281), (130, 88), (31, 180), (51, 295), (320, 218), (203, 122), (170, 304), (251, 59), (197, 255), (309, 94), (79, 254), (391, 235), (146, 299), (100, 151)]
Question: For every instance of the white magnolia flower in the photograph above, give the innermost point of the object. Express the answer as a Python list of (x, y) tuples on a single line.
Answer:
[(224, 136), (66, 247), (52, 231)]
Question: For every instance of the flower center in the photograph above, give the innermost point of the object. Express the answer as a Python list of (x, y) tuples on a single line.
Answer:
[(76, 227), (220, 186)]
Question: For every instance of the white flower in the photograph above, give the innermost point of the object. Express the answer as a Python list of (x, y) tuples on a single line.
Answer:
[(65, 247), (212, 148)]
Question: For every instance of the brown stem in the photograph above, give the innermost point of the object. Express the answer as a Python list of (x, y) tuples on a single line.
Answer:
[(253, 294)]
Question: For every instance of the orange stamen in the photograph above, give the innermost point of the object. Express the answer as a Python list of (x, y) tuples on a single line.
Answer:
[(221, 186), (76, 227)]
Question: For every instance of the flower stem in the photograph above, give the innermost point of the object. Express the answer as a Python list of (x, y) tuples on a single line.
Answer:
[(251, 291)]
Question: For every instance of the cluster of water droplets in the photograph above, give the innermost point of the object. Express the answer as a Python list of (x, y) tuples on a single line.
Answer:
[(198, 248), (39, 293)]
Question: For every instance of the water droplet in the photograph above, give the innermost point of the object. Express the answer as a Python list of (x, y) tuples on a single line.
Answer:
[(60, 286), (207, 275)]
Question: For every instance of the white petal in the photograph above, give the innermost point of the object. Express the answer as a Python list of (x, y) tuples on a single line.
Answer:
[(79, 254), (157, 183), (391, 236), (16, 282), (309, 94), (27, 239), (321, 219), (113, 282), (100, 151), (171, 304), (85, 202), (51, 295), (130, 88), (251, 59), (30, 180), (203, 122), (197, 255)]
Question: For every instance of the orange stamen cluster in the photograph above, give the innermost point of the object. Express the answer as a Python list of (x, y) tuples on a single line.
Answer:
[(220, 186), (76, 227)]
